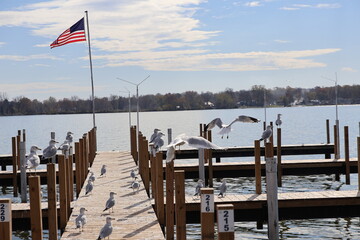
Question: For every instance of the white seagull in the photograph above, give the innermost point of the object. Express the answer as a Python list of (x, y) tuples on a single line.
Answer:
[(33, 160), (103, 170), (80, 220), (278, 121), (226, 129), (65, 147), (89, 187), (195, 142), (51, 150), (198, 187), (266, 134), (135, 185), (154, 135), (69, 137), (110, 203), (158, 141), (222, 188), (92, 177), (132, 174), (107, 229)]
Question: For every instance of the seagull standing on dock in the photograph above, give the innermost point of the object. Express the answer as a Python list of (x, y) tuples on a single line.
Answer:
[(198, 187), (278, 121), (154, 135), (80, 220), (89, 187), (110, 203), (133, 174), (107, 229), (266, 134), (226, 129), (92, 177), (103, 170), (33, 160), (135, 185), (222, 188), (51, 150), (196, 142)]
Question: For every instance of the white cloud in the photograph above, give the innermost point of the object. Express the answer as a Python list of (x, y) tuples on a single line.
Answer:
[(281, 41), (348, 69), (20, 58), (253, 4), (2, 43), (320, 6)]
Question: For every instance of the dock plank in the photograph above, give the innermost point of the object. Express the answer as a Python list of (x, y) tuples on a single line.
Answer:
[(133, 212)]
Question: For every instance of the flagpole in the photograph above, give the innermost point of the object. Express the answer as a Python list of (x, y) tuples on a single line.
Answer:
[(91, 70)]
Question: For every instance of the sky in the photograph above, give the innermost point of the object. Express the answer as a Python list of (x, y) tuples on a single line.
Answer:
[(183, 45)]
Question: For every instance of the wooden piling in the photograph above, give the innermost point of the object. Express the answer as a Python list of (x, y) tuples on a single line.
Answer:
[(35, 207), (278, 153), (153, 175), (327, 156), (146, 178), (201, 164), (169, 131), (201, 129), (85, 156), (257, 155), (5, 219), (52, 136), (211, 170), (159, 199), (52, 199), (77, 169), (347, 157), (18, 140), (170, 200), (71, 177), (23, 177), (133, 141), (70, 187), (335, 142), (272, 192), (180, 212), (358, 165), (82, 160), (272, 135), (207, 213), (14, 166), (140, 154), (63, 191), (225, 219)]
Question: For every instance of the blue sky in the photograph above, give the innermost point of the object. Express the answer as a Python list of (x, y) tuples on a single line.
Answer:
[(182, 44)]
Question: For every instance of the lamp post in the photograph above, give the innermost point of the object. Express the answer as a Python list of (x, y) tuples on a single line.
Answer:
[(337, 156), (137, 104)]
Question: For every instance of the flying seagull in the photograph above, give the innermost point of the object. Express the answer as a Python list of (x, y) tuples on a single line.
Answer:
[(33, 160), (226, 129), (266, 134), (278, 121), (107, 229)]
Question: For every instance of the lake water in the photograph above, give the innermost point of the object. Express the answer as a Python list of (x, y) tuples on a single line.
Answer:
[(301, 125)]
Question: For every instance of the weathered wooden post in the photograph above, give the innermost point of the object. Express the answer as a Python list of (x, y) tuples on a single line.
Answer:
[(201, 129), (201, 164), (52, 136), (347, 157), (71, 177), (272, 135), (207, 213), (257, 155), (52, 209), (272, 192), (336, 154), (5, 219), (134, 142), (211, 170), (170, 200), (146, 167), (15, 166), (77, 169), (159, 200), (278, 153), (23, 173), (152, 174), (63, 191), (328, 156), (225, 219), (358, 163), (169, 132), (180, 212), (18, 140), (82, 160), (140, 155), (70, 187), (24, 135), (35, 207), (86, 156)]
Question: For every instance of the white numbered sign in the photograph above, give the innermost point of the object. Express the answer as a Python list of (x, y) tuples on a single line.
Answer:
[(226, 220), (4, 212), (207, 203)]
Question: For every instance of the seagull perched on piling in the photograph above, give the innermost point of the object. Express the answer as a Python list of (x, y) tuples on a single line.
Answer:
[(33, 160), (110, 203), (65, 147), (198, 187), (89, 187), (107, 229), (196, 142), (135, 185), (222, 188), (266, 134), (226, 129), (278, 121), (158, 141), (154, 135), (80, 220), (69, 137), (103, 170), (51, 150)]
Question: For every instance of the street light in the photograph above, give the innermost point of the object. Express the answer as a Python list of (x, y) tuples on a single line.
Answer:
[(337, 155), (137, 105)]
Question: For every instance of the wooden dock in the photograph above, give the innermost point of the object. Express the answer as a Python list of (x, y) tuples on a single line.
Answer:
[(133, 213), (292, 205)]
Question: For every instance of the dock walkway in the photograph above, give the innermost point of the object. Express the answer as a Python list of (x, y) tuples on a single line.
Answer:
[(133, 213)]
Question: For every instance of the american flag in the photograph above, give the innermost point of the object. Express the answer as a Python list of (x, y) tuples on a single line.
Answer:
[(76, 33)]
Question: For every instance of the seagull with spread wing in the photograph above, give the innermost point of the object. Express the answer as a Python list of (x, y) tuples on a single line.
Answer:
[(226, 129)]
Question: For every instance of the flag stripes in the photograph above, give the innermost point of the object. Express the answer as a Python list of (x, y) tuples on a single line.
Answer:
[(75, 33)]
